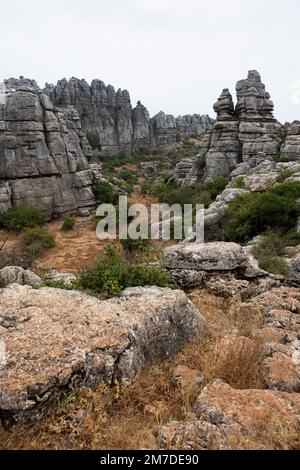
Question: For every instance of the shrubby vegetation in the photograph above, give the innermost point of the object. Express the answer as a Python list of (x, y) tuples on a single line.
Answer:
[(38, 239), (132, 247), (94, 140), (104, 193), (255, 213), (68, 224), (112, 273), (22, 216), (239, 183), (284, 175), (269, 251), (203, 193)]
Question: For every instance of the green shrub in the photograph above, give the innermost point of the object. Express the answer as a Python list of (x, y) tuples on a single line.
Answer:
[(112, 273), (55, 284), (255, 213), (284, 175), (104, 193), (79, 168), (131, 246), (94, 140), (291, 238), (215, 186), (269, 251), (22, 216), (219, 127), (203, 193), (68, 224), (38, 239), (279, 158), (127, 176), (239, 183)]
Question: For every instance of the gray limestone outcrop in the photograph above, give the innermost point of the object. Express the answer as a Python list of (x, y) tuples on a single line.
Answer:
[(107, 115), (57, 340), (44, 155), (244, 134), (225, 269)]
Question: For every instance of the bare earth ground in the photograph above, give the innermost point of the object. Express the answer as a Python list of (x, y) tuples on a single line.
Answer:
[(77, 248)]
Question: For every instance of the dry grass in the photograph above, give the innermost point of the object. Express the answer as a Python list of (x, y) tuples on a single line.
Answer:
[(129, 418)]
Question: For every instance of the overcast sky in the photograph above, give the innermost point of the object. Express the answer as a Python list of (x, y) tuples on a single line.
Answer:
[(173, 55)]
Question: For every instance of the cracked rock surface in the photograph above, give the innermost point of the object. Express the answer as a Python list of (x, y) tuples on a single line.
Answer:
[(58, 340)]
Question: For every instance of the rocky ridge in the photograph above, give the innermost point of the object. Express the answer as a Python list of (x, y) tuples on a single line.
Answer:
[(108, 115), (44, 155), (244, 134)]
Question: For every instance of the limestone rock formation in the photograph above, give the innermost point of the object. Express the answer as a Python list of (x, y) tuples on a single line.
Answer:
[(108, 115), (57, 340), (17, 275), (43, 152), (225, 269), (233, 419), (277, 314), (245, 134), (291, 147), (224, 107)]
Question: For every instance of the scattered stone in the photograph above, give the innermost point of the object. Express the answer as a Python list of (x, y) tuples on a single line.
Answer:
[(66, 278), (234, 419), (185, 377)]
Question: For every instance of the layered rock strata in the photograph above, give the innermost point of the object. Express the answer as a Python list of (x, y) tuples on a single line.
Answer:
[(44, 155), (108, 115)]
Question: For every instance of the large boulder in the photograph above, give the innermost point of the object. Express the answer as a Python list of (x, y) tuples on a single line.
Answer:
[(216, 256), (17, 275), (57, 340), (224, 268), (235, 419)]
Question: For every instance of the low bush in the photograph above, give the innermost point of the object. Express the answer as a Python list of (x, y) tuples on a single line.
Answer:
[(255, 213), (284, 175), (203, 193), (127, 176), (131, 246), (269, 251), (38, 239), (112, 273), (68, 224), (239, 183), (104, 193), (22, 216), (94, 140), (219, 127)]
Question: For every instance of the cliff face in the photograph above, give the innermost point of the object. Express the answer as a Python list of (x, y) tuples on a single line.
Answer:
[(120, 128), (43, 152), (246, 133)]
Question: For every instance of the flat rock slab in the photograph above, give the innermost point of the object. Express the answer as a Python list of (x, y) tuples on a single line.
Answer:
[(56, 340), (216, 256)]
